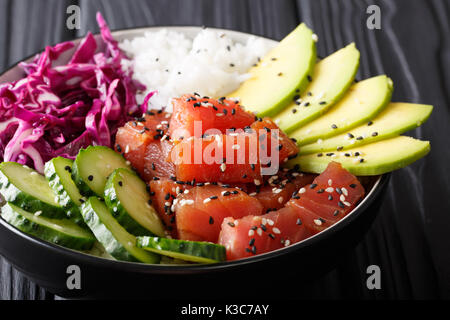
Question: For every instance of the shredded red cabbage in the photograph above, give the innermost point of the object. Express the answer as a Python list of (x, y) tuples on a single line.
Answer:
[(56, 110)]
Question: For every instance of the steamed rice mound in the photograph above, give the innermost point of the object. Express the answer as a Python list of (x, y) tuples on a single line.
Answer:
[(173, 64)]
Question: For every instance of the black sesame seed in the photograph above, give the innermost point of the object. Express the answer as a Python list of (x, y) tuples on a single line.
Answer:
[(330, 154), (280, 74), (320, 155), (91, 177), (353, 186), (361, 160), (333, 126), (370, 123), (68, 168), (233, 111), (299, 222), (211, 220), (350, 135), (231, 224), (155, 178), (374, 134), (263, 227), (120, 183), (360, 138), (312, 186), (335, 213), (357, 154), (309, 78), (320, 191), (254, 250), (167, 196), (271, 236), (340, 204), (330, 197), (294, 110), (214, 197), (251, 242), (153, 166), (339, 148), (338, 190), (118, 148), (322, 102), (306, 104), (149, 202)]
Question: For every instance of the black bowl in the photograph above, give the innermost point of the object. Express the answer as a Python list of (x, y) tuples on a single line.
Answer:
[(47, 264)]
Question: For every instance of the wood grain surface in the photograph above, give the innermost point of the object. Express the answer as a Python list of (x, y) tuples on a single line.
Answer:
[(410, 239)]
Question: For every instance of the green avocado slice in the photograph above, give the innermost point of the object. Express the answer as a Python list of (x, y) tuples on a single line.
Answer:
[(332, 78), (363, 101), (395, 119), (368, 160), (285, 70)]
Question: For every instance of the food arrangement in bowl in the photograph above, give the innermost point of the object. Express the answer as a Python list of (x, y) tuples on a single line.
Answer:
[(163, 149)]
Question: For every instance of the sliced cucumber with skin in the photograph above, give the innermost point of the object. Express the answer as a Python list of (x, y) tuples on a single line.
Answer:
[(59, 231), (114, 238), (29, 190), (195, 251), (127, 198), (92, 167), (58, 172)]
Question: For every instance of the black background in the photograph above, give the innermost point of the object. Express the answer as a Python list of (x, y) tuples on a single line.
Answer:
[(410, 239)]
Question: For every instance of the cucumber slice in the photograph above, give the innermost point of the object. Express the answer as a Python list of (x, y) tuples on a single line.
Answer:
[(59, 231), (58, 172), (195, 251), (114, 238), (92, 167), (127, 198), (27, 189)]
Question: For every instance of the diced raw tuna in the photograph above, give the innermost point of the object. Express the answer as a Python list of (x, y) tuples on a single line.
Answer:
[(310, 211), (259, 234), (200, 212), (221, 114), (135, 137), (237, 157)]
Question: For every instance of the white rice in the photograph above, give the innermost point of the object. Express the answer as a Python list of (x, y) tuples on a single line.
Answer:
[(211, 64)]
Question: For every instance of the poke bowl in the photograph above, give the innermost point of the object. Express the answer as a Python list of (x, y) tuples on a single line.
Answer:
[(100, 274)]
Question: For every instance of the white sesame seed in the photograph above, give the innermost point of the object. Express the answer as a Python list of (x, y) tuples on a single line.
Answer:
[(342, 198), (319, 141), (236, 222), (318, 222), (251, 232), (223, 166), (206, 200), (280, 200), (329, 190), (219, 114), (264, 221), (259, 231), (252, 194), (167, 203), (287, 242), (127, 148), (348, 204), (276, 230), (177, 190), (344, 191), (302, 190), (257, 182), (186, 191), (126, 162), (330, 182), (315, 37), (275, 190), (235, 147), (33, 173), (38, 213), (270, 222)]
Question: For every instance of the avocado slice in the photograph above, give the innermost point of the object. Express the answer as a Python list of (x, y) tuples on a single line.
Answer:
[(280, 75), (332, 78), (362, 102), (368, 160), (395, 119)]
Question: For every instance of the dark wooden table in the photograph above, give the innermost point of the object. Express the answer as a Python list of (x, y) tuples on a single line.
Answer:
[(410, 239)]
